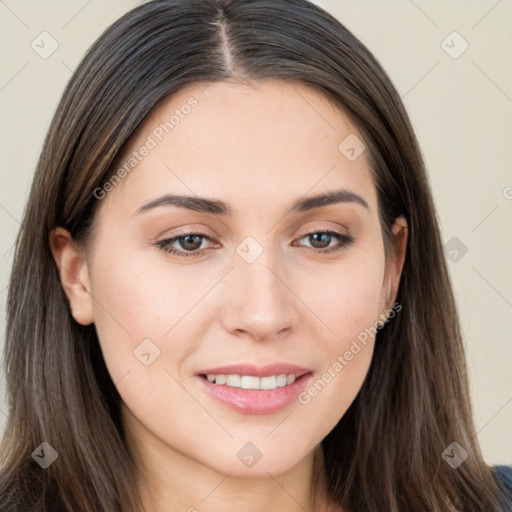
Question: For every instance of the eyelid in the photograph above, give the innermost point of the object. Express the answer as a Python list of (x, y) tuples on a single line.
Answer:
[(188, 229), (318, 229)]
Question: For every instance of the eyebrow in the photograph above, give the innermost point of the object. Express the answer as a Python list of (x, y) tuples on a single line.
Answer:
[(217, 207)]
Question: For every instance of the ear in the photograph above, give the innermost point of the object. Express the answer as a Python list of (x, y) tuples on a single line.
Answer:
[(394, 265), (74, 275)]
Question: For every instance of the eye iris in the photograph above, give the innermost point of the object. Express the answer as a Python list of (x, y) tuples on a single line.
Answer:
[(191, 242), (320, 238)]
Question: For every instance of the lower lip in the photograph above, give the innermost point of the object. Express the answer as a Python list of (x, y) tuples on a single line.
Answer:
[(256, 401)]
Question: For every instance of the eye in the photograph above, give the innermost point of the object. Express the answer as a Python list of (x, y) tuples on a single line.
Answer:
[(321, 240), (189, 243)]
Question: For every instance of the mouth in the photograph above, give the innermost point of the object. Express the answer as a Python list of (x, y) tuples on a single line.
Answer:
[(251, 390)]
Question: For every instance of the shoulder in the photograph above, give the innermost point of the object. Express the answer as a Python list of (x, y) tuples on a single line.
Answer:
[(504, 475)]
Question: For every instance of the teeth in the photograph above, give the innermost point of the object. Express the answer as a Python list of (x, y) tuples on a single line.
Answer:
[(233, 380), (248, 382), (281, 381), (221, 379), (251, 382), (268, 382)]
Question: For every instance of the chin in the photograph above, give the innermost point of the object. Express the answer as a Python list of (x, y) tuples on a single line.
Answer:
[(251, 462)]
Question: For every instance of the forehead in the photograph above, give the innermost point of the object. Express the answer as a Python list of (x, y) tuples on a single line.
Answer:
[(245, 142)]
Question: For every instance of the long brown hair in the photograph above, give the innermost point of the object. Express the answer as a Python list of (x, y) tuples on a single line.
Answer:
[(385, 453)]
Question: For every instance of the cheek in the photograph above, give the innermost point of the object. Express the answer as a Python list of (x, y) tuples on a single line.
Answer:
[(349, 306), (140, 298), (345, 364), (346, 297), (131, 306)]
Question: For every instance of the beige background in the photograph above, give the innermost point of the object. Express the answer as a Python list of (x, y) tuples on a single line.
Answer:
[(461, 110)]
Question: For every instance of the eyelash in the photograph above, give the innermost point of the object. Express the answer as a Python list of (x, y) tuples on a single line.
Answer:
[(165, 245)]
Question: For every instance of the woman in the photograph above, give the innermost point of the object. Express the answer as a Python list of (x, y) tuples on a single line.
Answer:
[(229, 289)]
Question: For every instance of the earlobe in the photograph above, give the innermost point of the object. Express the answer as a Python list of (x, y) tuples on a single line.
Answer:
[(74, 275), (395, 265), (400, 231)]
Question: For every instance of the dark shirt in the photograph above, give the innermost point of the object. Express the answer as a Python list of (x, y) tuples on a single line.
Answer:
[(504, 474)]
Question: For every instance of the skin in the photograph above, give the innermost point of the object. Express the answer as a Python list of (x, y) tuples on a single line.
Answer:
[(259, 148)]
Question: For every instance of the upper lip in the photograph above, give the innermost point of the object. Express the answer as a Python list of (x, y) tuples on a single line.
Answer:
[(257, 371)]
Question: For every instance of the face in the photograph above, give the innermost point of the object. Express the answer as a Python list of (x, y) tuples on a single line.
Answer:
[(260, 282)]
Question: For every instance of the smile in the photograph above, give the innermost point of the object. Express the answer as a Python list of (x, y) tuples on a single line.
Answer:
[(249, 389)]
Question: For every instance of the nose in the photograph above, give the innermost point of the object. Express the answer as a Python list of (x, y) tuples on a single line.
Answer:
[(261, 303)]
